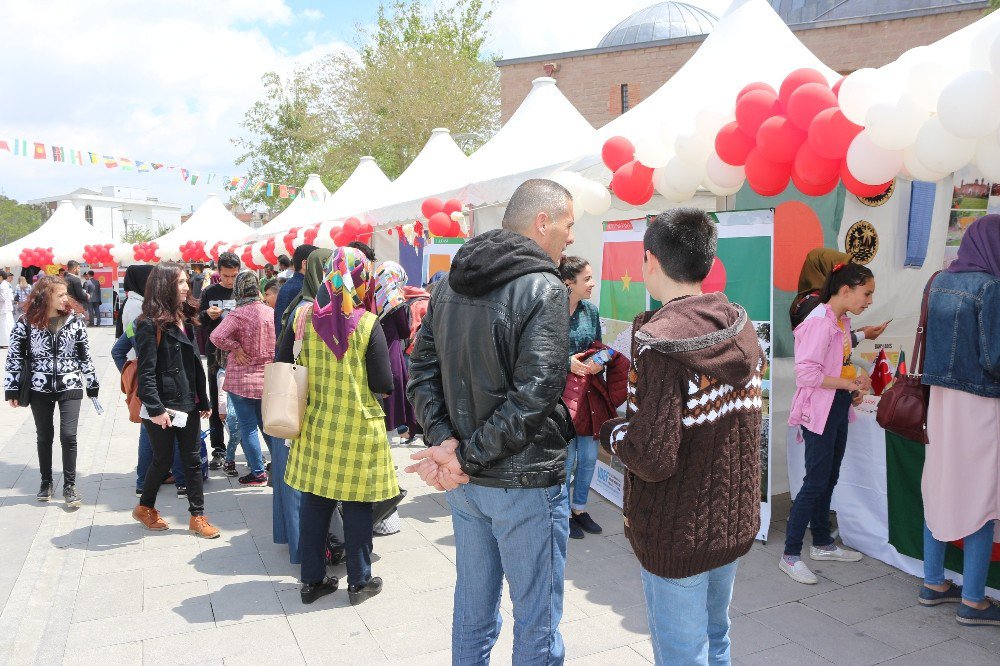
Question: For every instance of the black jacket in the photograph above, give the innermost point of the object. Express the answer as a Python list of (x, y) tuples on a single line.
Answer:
[(170, 373), (75, 289), (489, 365), (215, 292)]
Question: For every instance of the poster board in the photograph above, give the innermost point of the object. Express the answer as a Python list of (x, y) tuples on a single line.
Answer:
[(107, 276), (743, 271), (437, 255)]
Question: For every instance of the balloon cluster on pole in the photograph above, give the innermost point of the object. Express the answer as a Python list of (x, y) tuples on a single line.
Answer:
[(36, 256), (146, 251), (589, 197), (98, 254), (632, 181), (444, 218), (193, 251), (353, 230)]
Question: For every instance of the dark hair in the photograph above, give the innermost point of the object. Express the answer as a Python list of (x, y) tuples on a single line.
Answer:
[(162, 304), (90, 273), (36, 308), (684, 241), (229, 260), (300, 256), (3, 275), (284, 261), (532, 197), (72, 263), (269, 285), (571, 267), (363, 249), (844, 275)]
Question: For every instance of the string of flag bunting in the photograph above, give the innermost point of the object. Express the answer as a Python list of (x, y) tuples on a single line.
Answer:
[(40, 151)]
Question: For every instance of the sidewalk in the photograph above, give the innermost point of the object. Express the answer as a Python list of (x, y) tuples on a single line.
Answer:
[(90, 586)]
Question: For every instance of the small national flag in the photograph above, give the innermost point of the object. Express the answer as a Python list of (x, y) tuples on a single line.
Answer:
[(194, 178), (209, 179), (257, 188), (184, 174), (126, 164), (4, 146), (292, 191), (40, 153), (21, 147), (57, 154), (282, 191), (110, 162), (76, 157), (141, 167), (270, 189), (157, 166), (901, 367), (315, 195), (94, 158), (881, 375)]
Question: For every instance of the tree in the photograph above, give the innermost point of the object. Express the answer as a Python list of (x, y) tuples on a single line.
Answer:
[(137, 233), (994, 4), (18, 220)]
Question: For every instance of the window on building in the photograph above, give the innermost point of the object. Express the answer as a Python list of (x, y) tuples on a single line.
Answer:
[(625, 106), (88, 214)]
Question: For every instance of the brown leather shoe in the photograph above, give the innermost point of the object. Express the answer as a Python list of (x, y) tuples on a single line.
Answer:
[(200, 526), (150, 518)]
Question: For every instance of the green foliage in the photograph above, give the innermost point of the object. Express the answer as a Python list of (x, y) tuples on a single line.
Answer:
[(137, 233), (18, 220), (994, 4)]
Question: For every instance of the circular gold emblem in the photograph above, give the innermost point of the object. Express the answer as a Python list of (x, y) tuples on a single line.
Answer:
[(861, 242), (879, 199)]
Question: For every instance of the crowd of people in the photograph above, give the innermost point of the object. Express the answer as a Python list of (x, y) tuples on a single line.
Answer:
[(500, 366)]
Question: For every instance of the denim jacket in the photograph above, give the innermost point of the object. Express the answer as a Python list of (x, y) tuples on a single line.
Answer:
[(963, 334)]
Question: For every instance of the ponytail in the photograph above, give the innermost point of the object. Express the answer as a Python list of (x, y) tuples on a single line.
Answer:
[(849, 275)]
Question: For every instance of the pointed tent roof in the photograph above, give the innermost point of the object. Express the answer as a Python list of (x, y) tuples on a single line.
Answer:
[(365, 184), (66, 232), (303, 211), (210, 223)]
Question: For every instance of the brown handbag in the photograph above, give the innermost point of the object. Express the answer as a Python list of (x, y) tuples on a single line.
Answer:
[(130, 386), (903, 407)]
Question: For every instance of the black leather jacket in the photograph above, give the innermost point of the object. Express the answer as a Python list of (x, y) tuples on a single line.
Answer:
[(170, 373), (489, 365)]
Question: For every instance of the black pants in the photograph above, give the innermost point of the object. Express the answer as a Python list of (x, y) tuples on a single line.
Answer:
[(162, 441), (43, 407), (314, 523), (94, 309), (215, 429)]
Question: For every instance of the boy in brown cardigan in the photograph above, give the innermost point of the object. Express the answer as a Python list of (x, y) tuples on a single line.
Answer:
[(690, 443)]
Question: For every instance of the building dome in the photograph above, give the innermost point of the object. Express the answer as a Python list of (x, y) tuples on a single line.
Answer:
[(794, 12), (664, 20)]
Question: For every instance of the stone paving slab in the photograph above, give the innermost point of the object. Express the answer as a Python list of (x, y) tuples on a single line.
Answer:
[(90, 586)]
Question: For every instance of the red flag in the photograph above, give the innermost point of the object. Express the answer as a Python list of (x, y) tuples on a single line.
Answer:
[(901, 368), (881, 374), (4, 146), (283, 191), (40, 153)]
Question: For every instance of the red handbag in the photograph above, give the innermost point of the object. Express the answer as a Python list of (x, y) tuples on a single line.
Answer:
[(903, 407)]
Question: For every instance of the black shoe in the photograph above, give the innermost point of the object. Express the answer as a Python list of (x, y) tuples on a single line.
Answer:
[(310, 592), (359, 593), (587, 523), (216, 462), (70, 496), (335, 556), (45, 492), (575, 531), (182, 491)]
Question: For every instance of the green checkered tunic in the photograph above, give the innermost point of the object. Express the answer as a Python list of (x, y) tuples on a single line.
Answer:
[(343, 451)]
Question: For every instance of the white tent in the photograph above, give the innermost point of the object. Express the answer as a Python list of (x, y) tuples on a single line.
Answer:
[(66, 232), (303, 211), (366, 183), (211, 223)]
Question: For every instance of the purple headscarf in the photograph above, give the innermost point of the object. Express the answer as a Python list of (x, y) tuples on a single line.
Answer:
[(340, 302), (980, 248)]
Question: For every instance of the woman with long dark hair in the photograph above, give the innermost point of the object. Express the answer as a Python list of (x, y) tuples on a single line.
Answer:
[(172, 389), (53, 337)]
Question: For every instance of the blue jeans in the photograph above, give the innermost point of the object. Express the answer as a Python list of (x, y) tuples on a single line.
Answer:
[(146, 459), (248, 413), (824, 453), (689, 617), (520, 533), (581, 458), (233, 426), (315, 523), (976, 551)]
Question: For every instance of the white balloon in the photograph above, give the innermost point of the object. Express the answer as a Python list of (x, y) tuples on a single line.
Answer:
[(895, 126), (692, 149), (723, 175), (941, 151), (708, 122), (651, 151), (681, 176), (988, 157), (870, 163), (984, 51), (257, 256), (602, 198), (719, 190), (928, 77), (857, 93), (916, 169), (968, 106)]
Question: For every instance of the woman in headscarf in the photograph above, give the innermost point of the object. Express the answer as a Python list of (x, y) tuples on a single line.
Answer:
[(287, 501), (342, 453), (246, 336), (390, 299), (962, 470)]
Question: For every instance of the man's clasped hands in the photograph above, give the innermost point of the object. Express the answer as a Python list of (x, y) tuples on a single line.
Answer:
[(439, 467)]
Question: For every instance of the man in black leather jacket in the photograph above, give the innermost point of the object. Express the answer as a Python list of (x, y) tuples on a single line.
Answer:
[(486, 377)]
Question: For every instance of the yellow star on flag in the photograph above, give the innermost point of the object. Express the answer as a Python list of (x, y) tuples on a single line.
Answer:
[(626, 281)]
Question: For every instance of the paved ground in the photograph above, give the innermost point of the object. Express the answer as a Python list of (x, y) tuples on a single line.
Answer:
[(88, 586)]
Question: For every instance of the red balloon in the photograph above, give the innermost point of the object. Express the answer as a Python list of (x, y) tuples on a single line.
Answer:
[(631, 181), (334, 231), (831, 134), (857, 188), (778, 139), (754, 108), (366, 230), (767, 178), (836, 86), (310, 234), (716, 278), (755, 86), (814, 169), (795, 80), (429, 207), (808, 100), (732, 145), (811, 190), (456, 230), (352, 225), (452, 206), (340, 239), (267, 249), (617, 152), (439, 224)]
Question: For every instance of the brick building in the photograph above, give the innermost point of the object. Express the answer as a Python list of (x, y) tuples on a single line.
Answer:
[(641, 53)]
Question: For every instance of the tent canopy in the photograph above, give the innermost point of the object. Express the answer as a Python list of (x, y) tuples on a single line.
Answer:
[(210, 223), (66, 232), (303, 211), (366, 183)]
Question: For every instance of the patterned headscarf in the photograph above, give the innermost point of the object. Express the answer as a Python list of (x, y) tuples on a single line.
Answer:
[(340, 301), (389, 280), (246, 289)]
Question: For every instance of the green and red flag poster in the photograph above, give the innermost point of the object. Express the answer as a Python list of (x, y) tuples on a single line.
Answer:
[(742, 270)]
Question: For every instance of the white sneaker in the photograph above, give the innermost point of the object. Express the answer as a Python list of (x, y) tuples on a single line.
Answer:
[(798, 572), (838, 554)]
